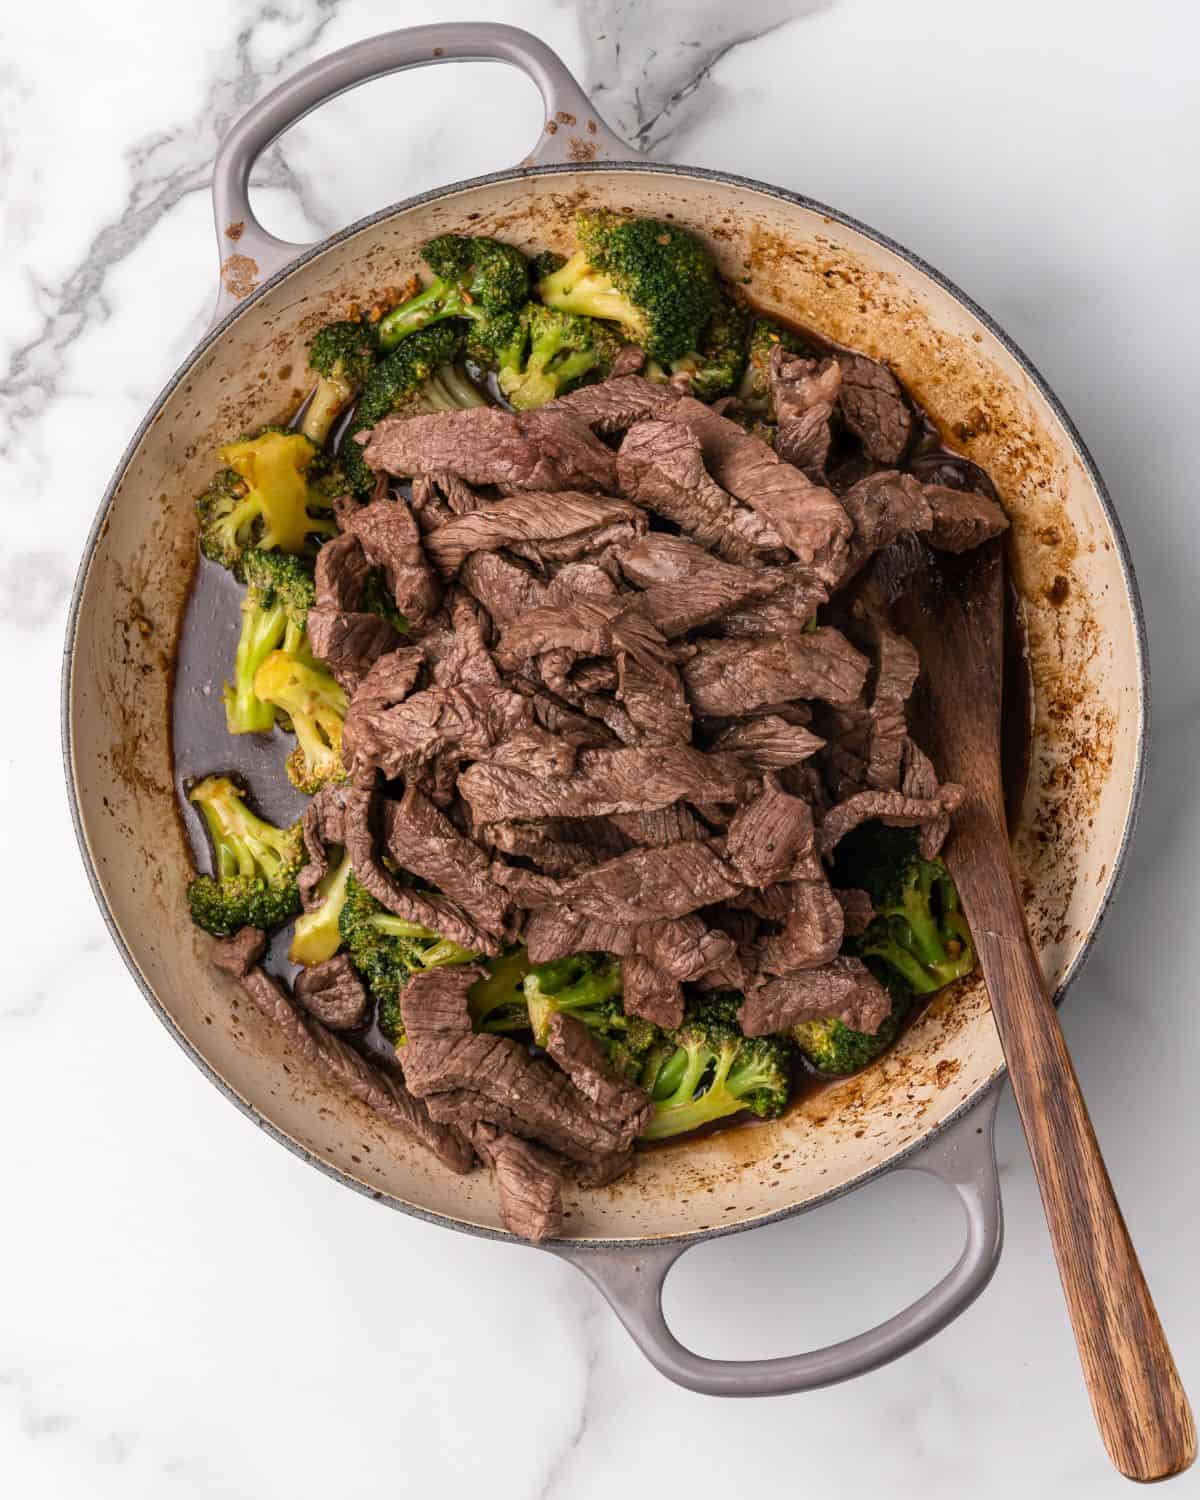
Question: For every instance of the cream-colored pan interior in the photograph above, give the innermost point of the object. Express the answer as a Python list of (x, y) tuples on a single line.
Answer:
[(1080, 617)]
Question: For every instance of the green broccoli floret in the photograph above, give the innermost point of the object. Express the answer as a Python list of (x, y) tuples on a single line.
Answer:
[(516, 996), (544, 263), (919, 929), (279, 594), (377, 599), (317, 933), (474, 278), (301, 688), (342, 356), (418, 375), (385, 950), (255, 864), (707, 1070), (556, 351), (262, 498), (717, 364), (754, 392), (832, 1047), (653, 278)]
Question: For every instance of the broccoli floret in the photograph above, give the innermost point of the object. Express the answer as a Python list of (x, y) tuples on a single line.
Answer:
[(754, 392), (654, 279), (707, 1070), (255, 864), (474, 278), (517, 996), (832, 1047), (385, 950), (919, 929), (544, 263), (717, 364), (301, 688), (317, 934), (279, 594), (342, 356), (419, 375), (267, 503), (554, 352), (377, 599)]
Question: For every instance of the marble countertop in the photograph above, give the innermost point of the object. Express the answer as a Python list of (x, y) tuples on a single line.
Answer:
[(186, 1310)]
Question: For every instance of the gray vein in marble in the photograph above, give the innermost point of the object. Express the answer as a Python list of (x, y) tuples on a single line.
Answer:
[(164, 169), (584, 1303), (649, 93)]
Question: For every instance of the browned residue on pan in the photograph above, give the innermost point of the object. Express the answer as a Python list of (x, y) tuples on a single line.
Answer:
[(235, 230), (239, 273)]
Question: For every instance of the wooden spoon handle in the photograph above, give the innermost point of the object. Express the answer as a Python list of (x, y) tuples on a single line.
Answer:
[(1140, 1404)]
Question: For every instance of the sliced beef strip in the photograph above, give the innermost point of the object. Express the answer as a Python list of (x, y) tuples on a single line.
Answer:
[(883, 506), (650, 993), (562, 524), (808, 517), (845, 988), (528, 1179), (553, 846), (437, 913), (768, 743), (857, 911), (382, 1093), (649, 686), (457, 652), (660, 466), (616, 404), (652, 830), (873, 407), (461, 722), (647, 885), (238, 954), (812, 930), (391, 540), (333, 993), (893, 808), (505, 588), (423, 841), (866, 744), (340, 573), (962, 520), (630, 360), (771, 839), (786, 611), (428, 506), (558, 717), (686, 586), (623, 1106), (349, 643), (606, 781), (919, 779), (323, 827), (545, 450), (684, 947), (584, 627), (731, 677), (530, 1096), (803, 393)]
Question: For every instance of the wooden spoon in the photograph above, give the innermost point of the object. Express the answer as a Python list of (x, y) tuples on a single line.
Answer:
[(952, 611)]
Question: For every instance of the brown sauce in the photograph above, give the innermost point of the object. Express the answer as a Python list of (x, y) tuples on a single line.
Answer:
[(201, 745)]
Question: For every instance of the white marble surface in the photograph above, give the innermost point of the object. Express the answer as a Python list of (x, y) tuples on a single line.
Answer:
[(185, 1309)]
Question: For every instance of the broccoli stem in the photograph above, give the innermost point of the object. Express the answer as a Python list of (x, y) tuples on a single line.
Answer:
[(439, 300), (261, 633), (316, 936)]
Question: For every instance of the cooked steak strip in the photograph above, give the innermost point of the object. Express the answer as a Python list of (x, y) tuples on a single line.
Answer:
[(647, 885), (543, 450), (893, 808), (873, 407), (423, 841), (808, 517), (686, 586), (333, 993), (385, 1095), (660, 465), (652, 830), (463, 722), (340, 573), (562, 524), (528, 1180), (623, 1106), (962, 520), (650, 993), (769, 743), (349, 643), (771, 839), (605, 781), (505, 588), (845, 989), (391, 540), (437, 913), (684, 947), (812, 929), (530, 1096), (857, 911), (238, 954), (617, 403), (323, 826), (803, 393), (732, 678)]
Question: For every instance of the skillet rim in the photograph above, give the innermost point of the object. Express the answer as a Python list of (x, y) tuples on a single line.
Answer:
[(517, 174)]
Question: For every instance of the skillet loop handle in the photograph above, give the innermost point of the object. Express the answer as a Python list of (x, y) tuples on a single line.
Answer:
[(573, 132), (632, 1283)]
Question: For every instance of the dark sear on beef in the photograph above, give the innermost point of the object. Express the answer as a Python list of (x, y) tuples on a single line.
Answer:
[(646, 686)]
